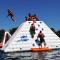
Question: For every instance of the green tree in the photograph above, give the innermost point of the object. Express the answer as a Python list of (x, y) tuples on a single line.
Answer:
[(53, 30), (58, 33), (2, 31), (11, 31)]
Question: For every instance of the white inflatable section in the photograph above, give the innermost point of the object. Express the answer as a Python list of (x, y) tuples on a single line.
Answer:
[(6, 32), (21, 40), (4, 38)]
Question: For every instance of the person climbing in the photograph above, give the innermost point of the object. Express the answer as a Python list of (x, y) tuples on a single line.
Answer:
[(41, 36), (10, 13), (32, 30)]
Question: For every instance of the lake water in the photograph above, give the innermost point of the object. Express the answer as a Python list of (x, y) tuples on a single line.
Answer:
[(53, 55)]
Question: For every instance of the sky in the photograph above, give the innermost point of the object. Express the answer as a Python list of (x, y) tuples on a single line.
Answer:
[(46, 10)]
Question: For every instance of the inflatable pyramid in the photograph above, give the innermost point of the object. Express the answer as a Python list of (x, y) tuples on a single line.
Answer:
[(22, 40)]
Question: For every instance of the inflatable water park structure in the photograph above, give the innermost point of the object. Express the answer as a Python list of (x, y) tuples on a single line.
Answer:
[(22, 40)]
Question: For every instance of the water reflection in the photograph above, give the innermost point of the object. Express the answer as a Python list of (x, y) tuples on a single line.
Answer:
[(54, 55), (28, 55), (39, 55)]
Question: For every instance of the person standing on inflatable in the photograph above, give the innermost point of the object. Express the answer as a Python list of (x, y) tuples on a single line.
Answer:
[(11, 15), (41, 36)]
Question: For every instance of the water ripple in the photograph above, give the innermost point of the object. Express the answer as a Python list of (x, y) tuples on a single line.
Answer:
[(53, 55)]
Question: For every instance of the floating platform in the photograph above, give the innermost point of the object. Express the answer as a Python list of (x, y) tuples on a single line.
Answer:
[(21, 40), (41, 49)]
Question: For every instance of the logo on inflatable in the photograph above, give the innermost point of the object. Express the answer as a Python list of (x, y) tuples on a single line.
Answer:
[(24, 38)]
